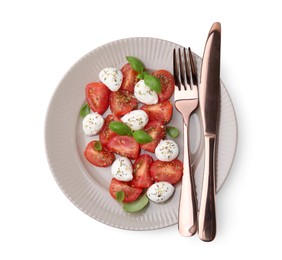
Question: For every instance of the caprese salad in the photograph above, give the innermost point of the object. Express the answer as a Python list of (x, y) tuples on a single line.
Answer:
[(134, 133)]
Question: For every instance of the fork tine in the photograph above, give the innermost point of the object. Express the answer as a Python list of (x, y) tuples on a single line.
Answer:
[(184, 69), (187, 73), (183, 74), (176, 70), (193, 68)]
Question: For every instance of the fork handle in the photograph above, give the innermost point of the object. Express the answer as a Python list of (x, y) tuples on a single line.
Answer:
[(187, 216), (207, 216)]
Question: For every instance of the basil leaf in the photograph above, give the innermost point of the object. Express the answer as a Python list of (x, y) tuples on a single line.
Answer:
[(136, 205), (85, 110), (172, 131), (153, 83), (140, 76), (120, 128), (120, 196), (142, 137), (135, 64), (98, 146)]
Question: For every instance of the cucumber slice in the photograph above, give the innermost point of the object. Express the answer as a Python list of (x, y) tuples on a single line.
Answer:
[(136, 205)]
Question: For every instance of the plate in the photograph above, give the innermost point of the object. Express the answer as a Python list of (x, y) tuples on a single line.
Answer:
[(87, 186)]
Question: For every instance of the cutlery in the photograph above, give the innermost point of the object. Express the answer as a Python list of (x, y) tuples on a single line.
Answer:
[(209, 92), (186, 101)]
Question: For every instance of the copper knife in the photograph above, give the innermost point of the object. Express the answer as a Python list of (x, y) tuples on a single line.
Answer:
[(209, 92)]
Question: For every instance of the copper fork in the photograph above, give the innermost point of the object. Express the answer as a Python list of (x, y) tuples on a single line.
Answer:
[(186, 101)]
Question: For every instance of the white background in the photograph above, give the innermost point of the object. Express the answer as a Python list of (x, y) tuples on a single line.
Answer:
[(41, 40)]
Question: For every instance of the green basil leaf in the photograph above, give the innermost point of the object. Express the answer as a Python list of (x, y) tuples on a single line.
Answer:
[(120, 128), (135, 64), (136, 205), (172, 131), (140, 76), (142, 137), (153, 83), (98, 146), (120, 196), (85, 110)]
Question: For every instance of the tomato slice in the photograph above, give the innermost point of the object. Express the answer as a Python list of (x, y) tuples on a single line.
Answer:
[(167, 171), (167, 83), (106, 133), (130, 193), (97, 97), (160, 111), (141, 172), (129, 78), (157, 130), (122, 102), (125, 146), (101, 158)]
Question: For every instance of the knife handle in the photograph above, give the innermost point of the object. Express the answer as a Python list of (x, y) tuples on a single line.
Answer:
[(187, 215), (207, 216)]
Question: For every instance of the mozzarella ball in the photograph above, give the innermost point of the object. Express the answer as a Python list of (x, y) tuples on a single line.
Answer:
[(160, 191), (167, 150), (144, 94), (112, 78), (92, 123), (122, 169), (135, 119)]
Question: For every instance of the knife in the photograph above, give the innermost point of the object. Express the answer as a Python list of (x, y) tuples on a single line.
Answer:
[(209, 93)]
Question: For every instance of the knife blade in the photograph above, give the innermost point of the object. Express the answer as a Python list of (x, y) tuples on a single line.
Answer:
[(209, 93)]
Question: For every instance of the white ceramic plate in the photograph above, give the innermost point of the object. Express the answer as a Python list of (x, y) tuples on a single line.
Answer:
[(87, 186)]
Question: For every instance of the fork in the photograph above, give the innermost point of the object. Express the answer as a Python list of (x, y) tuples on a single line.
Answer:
[(186, 101)]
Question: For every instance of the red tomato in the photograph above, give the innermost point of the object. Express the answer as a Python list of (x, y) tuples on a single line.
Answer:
[(129, 78), (157, 130), (160, 111), (167, 83), (106, 133), (122, 102), (167, 171), (101, 158), (130, 193), (97, 97), (125, 146), (141, 172)]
